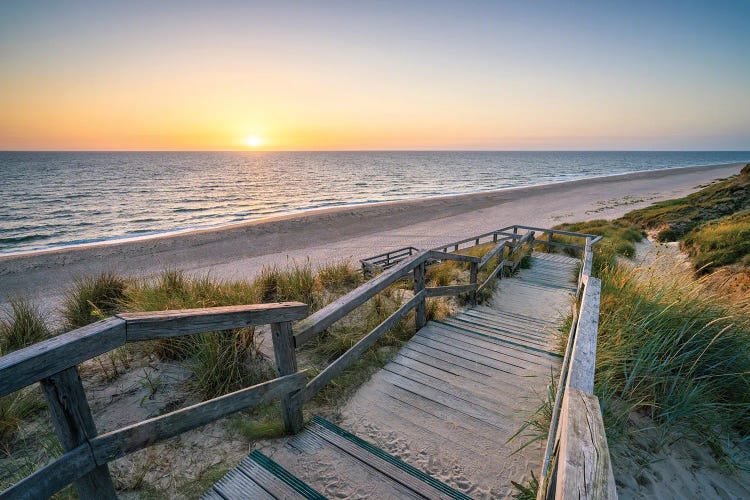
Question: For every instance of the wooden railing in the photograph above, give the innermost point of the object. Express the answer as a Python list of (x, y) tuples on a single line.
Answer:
[(576, 461), (86, 452), (54, 362), (386, 260)]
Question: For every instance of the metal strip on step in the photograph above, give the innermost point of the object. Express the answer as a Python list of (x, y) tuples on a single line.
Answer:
[(409, 469)]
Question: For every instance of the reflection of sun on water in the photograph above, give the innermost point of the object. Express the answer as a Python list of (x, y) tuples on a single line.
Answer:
[(253, 141)]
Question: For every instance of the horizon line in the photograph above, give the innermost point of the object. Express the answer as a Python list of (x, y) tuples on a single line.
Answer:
[(256, 151)]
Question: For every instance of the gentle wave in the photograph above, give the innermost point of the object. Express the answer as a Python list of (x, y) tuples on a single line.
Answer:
[(52, 199)]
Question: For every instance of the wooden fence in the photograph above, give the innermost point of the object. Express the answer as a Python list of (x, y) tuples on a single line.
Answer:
[(53, 363), (576, 462)]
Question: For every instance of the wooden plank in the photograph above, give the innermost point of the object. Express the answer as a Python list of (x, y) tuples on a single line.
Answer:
[(343, 361), (435, 254), (161, 324), (74, 426), (236, 485), (544, 477), (420, 308), (588, 260), (386, 467), (116, 444), (286, 364), (272, 484), (492, 276), (439, 397), (584, 465), (583, 357), (489, 255), (463, 392), (31, 364), (473, 274), (441, 291), (342, 306), (54, 476)]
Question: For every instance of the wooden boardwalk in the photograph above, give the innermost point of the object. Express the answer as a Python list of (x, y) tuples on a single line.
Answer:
[(445, 405)]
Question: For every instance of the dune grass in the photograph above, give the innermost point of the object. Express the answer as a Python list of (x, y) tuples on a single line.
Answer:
[(92, 298), (720, 243), (669, 346), (21, 324), (675, 218), (221, 361)]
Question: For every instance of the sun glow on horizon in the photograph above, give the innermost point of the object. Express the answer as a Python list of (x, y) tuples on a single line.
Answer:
[(253, 141)]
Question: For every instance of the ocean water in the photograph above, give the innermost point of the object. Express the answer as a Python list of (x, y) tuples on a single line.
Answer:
[(52, 199)]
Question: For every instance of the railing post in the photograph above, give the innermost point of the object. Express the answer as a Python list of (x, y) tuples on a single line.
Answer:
[(286, 363), (74, 425), (549, 242), (420, 311), (474, 271)]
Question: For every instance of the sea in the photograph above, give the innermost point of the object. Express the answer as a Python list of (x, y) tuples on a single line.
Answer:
[(57, 199)]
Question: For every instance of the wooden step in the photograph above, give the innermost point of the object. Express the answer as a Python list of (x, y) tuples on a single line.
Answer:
[(398, 470), (257, 476)]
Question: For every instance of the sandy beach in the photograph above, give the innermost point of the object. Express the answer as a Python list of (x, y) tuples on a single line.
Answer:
[(350, 232)]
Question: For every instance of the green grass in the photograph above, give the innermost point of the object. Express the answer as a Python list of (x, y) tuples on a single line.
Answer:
[(668, 346), (92, 298), (673, 350), (16, 409), (21, 324), (720, 243), (620, 237), (675, 218)]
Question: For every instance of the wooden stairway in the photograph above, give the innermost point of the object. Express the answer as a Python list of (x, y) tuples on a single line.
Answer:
[(438, 417)]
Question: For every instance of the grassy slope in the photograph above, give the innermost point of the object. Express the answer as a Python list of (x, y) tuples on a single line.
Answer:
[(672, 346), (674, 219)]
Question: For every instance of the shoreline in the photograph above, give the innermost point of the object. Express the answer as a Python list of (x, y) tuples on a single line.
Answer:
[(124, 240), (239, 251)]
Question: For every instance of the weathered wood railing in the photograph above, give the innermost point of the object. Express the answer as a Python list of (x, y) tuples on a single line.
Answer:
[(415, 265), (54, 362), (576, 462), (386, 260)]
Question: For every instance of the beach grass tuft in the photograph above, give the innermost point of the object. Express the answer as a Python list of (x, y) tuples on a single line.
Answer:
[(720, 243), (21, 324), (93, 298)]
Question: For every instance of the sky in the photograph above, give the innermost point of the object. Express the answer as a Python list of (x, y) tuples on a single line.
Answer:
[(383, 75)]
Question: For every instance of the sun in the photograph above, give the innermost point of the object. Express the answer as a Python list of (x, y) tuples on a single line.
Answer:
[(253, 141)]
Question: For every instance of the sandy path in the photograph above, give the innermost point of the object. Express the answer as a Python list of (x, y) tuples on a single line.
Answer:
[(239, 251)]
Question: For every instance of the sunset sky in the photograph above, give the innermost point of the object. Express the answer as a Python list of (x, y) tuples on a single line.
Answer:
[(380, 75)]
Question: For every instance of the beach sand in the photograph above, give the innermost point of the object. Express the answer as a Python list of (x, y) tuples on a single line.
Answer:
[(350, 232)]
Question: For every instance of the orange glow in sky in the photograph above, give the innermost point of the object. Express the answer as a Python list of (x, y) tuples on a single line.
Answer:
[(241, 76)]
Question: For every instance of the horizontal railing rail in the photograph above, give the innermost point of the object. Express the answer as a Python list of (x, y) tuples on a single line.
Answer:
[(576, 462)]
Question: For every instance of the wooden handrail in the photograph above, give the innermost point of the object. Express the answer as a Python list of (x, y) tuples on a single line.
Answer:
[(346, 359), (342, 306), (31, 364), (161, 324), (53, 364), (583, 468)]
